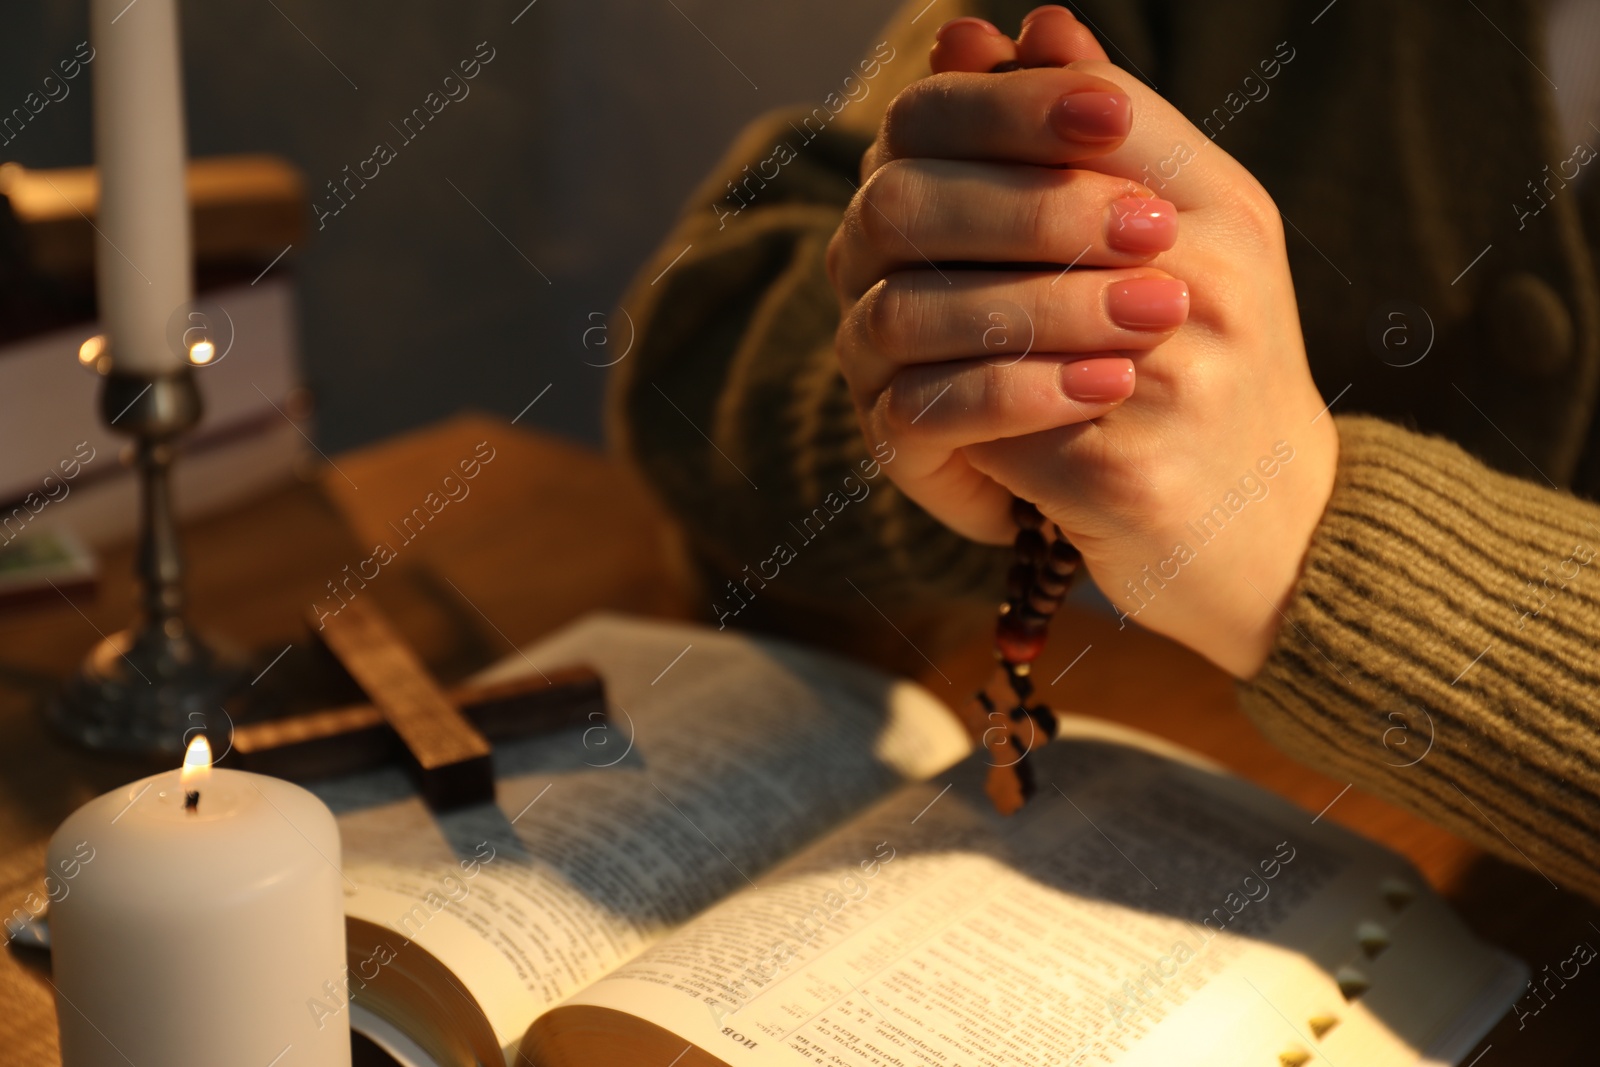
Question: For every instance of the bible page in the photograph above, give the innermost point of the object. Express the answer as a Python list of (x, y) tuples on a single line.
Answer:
[(1140, 910), (719, 755)]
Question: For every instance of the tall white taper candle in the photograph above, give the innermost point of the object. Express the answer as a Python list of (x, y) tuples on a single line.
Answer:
[(143, 260)]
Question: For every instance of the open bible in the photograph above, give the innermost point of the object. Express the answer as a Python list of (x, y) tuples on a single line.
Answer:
[(767, 855)]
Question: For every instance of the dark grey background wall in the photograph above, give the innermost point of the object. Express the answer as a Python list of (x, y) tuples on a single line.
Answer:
[(579, 142)]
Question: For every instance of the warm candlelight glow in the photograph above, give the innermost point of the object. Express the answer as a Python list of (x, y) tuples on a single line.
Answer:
[(196, 764), (90, 351), (202, 352)]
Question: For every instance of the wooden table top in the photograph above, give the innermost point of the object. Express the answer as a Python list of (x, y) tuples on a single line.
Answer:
[(552, 530)]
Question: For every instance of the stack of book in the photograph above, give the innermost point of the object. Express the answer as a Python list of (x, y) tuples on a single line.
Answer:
[(64, 476)]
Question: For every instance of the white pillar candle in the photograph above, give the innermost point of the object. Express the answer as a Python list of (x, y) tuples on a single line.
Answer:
[(197, 937), (143, 262)]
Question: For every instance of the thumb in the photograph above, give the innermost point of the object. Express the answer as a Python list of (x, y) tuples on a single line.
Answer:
[(1050, 37)]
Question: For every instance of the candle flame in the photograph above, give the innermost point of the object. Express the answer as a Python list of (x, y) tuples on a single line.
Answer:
[(196, 764), (202, 352)]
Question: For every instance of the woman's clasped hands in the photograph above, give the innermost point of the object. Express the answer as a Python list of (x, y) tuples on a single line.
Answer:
[(1054, 286)]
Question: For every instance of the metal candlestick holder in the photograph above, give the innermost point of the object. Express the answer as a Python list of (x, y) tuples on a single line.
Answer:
[(145, 689)]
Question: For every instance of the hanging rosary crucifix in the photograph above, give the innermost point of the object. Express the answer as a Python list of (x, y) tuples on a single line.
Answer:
[(1035, 586)]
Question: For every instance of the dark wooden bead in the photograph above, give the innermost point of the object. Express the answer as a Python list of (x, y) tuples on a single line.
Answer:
[(1018, 581), (1021, 683), (1034, 617), (1050, 584), (1063, 559), (1025, 514), (1043, 604), (1062, 570), (1030, 547)]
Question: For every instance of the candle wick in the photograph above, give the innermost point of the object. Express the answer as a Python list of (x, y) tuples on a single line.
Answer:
[(191, 800)]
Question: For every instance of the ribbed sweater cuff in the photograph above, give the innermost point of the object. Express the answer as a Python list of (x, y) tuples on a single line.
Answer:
[(1440, 649)]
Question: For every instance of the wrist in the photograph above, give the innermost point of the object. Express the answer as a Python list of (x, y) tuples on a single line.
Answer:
[(1223, 583)]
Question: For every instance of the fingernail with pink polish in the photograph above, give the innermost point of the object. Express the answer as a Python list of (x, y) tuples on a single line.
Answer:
[(1092, 117), (1098, 381), (1148, 303), (1143, 225)]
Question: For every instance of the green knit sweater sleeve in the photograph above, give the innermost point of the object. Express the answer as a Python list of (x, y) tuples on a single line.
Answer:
[(731, 403), (1440, 650)]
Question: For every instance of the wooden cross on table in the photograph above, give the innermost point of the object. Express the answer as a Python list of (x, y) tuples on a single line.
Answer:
[(444, 737)]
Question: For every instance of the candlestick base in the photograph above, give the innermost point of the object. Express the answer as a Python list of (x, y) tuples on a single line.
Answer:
[(149, 688), (146, 693)]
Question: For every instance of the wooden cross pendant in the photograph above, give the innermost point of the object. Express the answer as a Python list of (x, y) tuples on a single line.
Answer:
[(443, 737)]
